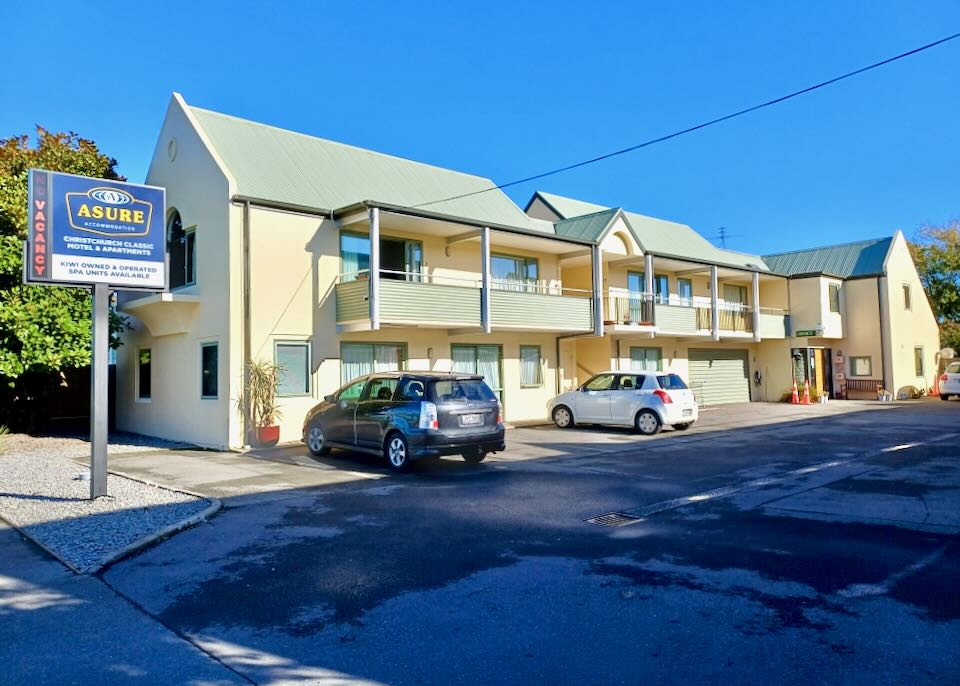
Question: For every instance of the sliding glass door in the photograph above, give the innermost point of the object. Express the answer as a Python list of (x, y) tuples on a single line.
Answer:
[(485, 360)]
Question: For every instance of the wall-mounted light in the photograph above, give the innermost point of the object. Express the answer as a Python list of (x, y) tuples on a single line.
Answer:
[(429, 353)]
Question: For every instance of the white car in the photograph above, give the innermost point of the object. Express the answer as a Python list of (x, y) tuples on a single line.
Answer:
[(644, 400), (950, 381)]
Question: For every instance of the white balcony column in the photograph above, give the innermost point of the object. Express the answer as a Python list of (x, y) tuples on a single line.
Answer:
[(756, 307), (648, 273), (485, 279), (714, 303), (374, 276), (596, 257)]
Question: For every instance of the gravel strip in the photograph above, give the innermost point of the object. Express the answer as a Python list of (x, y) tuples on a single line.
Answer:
[(41, 494), (77, 446)]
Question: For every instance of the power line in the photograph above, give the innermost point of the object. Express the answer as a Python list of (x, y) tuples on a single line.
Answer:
[(702, 125)]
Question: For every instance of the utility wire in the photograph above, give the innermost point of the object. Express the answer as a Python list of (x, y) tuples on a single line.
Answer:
[(703, 125)]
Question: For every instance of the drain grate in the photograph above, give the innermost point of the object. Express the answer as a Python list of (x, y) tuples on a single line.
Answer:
[(613, 519)]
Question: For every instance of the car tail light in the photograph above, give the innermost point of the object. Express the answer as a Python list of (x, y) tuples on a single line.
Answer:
[(663, 395), (944, 378), (499, 414), (428, 416)]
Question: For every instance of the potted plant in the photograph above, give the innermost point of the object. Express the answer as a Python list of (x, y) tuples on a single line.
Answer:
[(263, 379)]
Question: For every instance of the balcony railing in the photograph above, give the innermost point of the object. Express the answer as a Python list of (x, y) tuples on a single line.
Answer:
[(450, 300)]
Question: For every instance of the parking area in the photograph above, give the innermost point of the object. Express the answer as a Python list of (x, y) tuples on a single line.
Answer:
[(769, 544)]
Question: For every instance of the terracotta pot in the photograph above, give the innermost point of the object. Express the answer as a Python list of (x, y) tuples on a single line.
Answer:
[(266, 436)]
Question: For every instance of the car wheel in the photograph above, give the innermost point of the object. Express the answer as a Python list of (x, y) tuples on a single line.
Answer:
[(944, 396), (396, 451), (563, 417), (316, 443), (475, 456), (683, 427), (647, 422)]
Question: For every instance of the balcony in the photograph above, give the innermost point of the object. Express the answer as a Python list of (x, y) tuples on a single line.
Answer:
[(408, 299), (645, 313)]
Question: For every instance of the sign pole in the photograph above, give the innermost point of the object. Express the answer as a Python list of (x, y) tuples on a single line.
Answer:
[(99, 390)]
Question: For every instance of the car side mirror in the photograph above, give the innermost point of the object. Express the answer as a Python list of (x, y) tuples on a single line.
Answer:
[(328, 398)]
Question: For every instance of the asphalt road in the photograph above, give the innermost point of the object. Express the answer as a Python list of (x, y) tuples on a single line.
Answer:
[(823, 551)]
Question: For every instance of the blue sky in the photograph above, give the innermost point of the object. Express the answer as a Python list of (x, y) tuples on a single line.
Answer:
[(506, 90)]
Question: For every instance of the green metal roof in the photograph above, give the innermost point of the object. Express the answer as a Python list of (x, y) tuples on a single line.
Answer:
[(288, 167), (656, 236), (847, 260), (589, 227)]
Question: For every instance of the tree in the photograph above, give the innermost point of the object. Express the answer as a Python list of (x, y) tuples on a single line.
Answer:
[(936, 253), (44, 330)]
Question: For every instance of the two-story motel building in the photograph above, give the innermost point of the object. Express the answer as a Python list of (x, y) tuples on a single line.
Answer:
[(336, 261)]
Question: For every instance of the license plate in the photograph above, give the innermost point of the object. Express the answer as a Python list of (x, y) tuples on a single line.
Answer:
[(687, 413), (471, 419)]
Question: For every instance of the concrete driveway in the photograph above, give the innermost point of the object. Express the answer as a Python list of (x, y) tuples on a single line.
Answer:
[(810, 545)]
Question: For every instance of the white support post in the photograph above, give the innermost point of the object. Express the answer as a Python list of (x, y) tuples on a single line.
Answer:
[(485, 279), (597, 283), (756, 307), (714, 303), (648, 273), (374, 277)]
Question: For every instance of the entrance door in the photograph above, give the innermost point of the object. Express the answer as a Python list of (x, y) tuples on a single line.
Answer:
[(720, 376)]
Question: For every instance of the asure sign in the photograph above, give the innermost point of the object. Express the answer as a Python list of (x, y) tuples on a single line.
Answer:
[(86, 231)]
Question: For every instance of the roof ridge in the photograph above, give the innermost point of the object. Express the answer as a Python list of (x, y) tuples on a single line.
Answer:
[(832, 245), (347, 145)]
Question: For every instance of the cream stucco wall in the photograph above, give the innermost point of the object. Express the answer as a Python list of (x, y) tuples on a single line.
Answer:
[(197, 188), (908, 327)]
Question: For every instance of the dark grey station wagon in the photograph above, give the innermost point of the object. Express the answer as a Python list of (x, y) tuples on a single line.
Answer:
[(409, 415)]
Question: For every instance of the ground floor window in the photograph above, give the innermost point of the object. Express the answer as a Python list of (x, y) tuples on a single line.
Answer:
[(293, 359), (646, 359), (485, 360), (144, 374), (209, 367), (530, 366), (918, 360), (357, 359), (861, 366)]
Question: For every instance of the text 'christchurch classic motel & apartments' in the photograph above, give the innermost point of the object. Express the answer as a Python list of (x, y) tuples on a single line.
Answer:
[(334, 261)]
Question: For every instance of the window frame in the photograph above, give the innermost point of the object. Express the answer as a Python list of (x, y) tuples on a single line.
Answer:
[(138, 396), (922, 371), (203, 346), (853, 366), (309, 369), (907, 297), (833, 297), (685, 300), (404, 356), (526, 284), (188, 250), (647, 347), (539, 381)]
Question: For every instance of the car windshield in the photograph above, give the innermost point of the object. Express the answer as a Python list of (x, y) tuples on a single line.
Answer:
[(462, 390), (603, 382), (671, 382)]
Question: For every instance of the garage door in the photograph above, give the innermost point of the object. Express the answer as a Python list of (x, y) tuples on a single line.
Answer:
[(720, 376)]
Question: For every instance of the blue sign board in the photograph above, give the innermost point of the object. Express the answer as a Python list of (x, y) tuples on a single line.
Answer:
[(86, 231)]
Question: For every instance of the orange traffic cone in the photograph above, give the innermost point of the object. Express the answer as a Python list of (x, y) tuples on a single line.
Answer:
[(806, 392), (795, 398)]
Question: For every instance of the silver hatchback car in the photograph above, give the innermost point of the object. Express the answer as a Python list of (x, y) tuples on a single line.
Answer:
[(644, 400)]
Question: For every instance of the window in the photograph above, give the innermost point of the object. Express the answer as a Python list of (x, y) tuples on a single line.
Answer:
[(511, 273), (209, 386), (143, 374), (399, 259), (411, 389), (484, 360), (181, 245), (671, 382), (358, 359), (636, 283), (918, 360), (861, 366), (685, 291), (906, 296), (530, 369), (293, 358), (351, 393), (601, 382), (646, 359), (463, 390), (381, 389), (632, 382), (735, 295), (834, 297)]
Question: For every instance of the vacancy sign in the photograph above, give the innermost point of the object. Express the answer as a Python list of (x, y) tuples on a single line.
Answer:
[(86, 231)]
